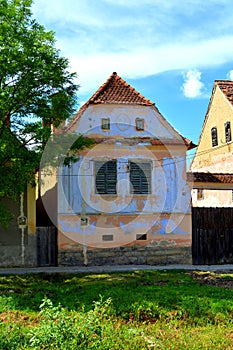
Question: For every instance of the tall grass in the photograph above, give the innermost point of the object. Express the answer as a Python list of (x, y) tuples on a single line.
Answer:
[(137, 310)]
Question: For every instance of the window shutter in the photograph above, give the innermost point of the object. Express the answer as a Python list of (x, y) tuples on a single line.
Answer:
[(140, 177), (106, 177)]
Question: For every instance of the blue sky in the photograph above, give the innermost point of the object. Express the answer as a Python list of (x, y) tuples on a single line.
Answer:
[(170, 51)]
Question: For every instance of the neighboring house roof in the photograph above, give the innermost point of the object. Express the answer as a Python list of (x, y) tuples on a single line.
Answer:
[(210, 177), (226, 87)]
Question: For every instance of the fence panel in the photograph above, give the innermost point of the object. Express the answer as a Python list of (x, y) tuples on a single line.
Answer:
[(212, 235)]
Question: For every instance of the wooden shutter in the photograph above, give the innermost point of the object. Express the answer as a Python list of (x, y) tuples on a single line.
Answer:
[(140, 177), (106, 177)]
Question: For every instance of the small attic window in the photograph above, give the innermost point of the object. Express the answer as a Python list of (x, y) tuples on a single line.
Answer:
[(214, 136), (105, 123), (139, 124), (228, 131)]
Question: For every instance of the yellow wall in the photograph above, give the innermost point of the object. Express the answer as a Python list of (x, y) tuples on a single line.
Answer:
[(219, 158), (31, 209)]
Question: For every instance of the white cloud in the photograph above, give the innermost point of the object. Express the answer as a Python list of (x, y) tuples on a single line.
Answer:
[(138, 38), (94, 68), (192, 86), (230, 74)]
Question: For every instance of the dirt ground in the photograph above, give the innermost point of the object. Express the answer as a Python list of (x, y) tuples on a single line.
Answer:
[(218, 279)]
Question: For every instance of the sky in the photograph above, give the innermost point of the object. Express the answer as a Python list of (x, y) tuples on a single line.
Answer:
[(170, 51)]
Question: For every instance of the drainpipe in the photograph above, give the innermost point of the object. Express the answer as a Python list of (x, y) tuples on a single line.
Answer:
[(22, 224), (84, 247), (83, 219)]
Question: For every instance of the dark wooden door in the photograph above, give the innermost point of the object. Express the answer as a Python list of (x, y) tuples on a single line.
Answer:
[(46, 246), (212, 235)]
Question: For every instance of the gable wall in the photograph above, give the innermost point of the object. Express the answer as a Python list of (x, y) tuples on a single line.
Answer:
[(122, 119), (217, 159)]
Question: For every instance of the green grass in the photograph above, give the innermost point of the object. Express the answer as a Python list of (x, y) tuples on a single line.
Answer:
[(135, 310)]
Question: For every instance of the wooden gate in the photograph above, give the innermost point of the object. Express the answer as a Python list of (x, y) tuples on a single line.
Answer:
[(212, 235), (46, 246)]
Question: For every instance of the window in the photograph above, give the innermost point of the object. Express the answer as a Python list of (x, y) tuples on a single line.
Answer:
[(141, 237), (107, 238), (140, 177), (139, 124), (228, 131), (105, 124), (200, 194), (105, 177), (214, 136)]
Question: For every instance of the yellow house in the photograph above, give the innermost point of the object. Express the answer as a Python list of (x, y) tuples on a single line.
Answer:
[(214, 153)]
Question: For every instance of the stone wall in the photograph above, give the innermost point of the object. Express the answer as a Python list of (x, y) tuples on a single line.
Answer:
[(11, 255), (155, 253)]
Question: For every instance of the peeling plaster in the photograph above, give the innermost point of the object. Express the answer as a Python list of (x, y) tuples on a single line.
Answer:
[(124, 215)]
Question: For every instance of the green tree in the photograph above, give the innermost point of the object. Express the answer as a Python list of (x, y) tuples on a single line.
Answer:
[(36, 91)]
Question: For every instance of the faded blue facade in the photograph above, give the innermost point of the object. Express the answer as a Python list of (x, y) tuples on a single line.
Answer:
[(144, 199)]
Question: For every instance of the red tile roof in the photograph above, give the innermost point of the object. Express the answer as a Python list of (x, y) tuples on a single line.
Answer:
[(114, 90), (226, 87), (117, 91), (210, 177)]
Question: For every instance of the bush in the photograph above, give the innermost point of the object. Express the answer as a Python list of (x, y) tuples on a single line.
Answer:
[(60, 329)]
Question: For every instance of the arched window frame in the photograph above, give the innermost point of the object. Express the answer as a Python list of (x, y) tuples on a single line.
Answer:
[(228, 131), (214, 136)]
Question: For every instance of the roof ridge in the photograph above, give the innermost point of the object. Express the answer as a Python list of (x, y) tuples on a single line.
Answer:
[(104, 85), (114, 77)]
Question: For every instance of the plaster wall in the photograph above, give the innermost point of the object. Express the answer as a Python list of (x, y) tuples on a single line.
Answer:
[(123, 122), (11, 237), (213, 198), (31, 209), (168, 186), (125, 219), (218, 159)]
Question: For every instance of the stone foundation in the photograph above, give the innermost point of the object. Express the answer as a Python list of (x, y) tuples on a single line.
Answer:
[(153, 254)]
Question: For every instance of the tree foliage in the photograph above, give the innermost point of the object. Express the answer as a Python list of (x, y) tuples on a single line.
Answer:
[(36, 91)]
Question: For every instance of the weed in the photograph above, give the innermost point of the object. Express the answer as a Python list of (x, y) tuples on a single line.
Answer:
[(137, 310)]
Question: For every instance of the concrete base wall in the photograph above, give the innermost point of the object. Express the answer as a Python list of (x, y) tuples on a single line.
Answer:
[(11, 255), (155, 253)]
